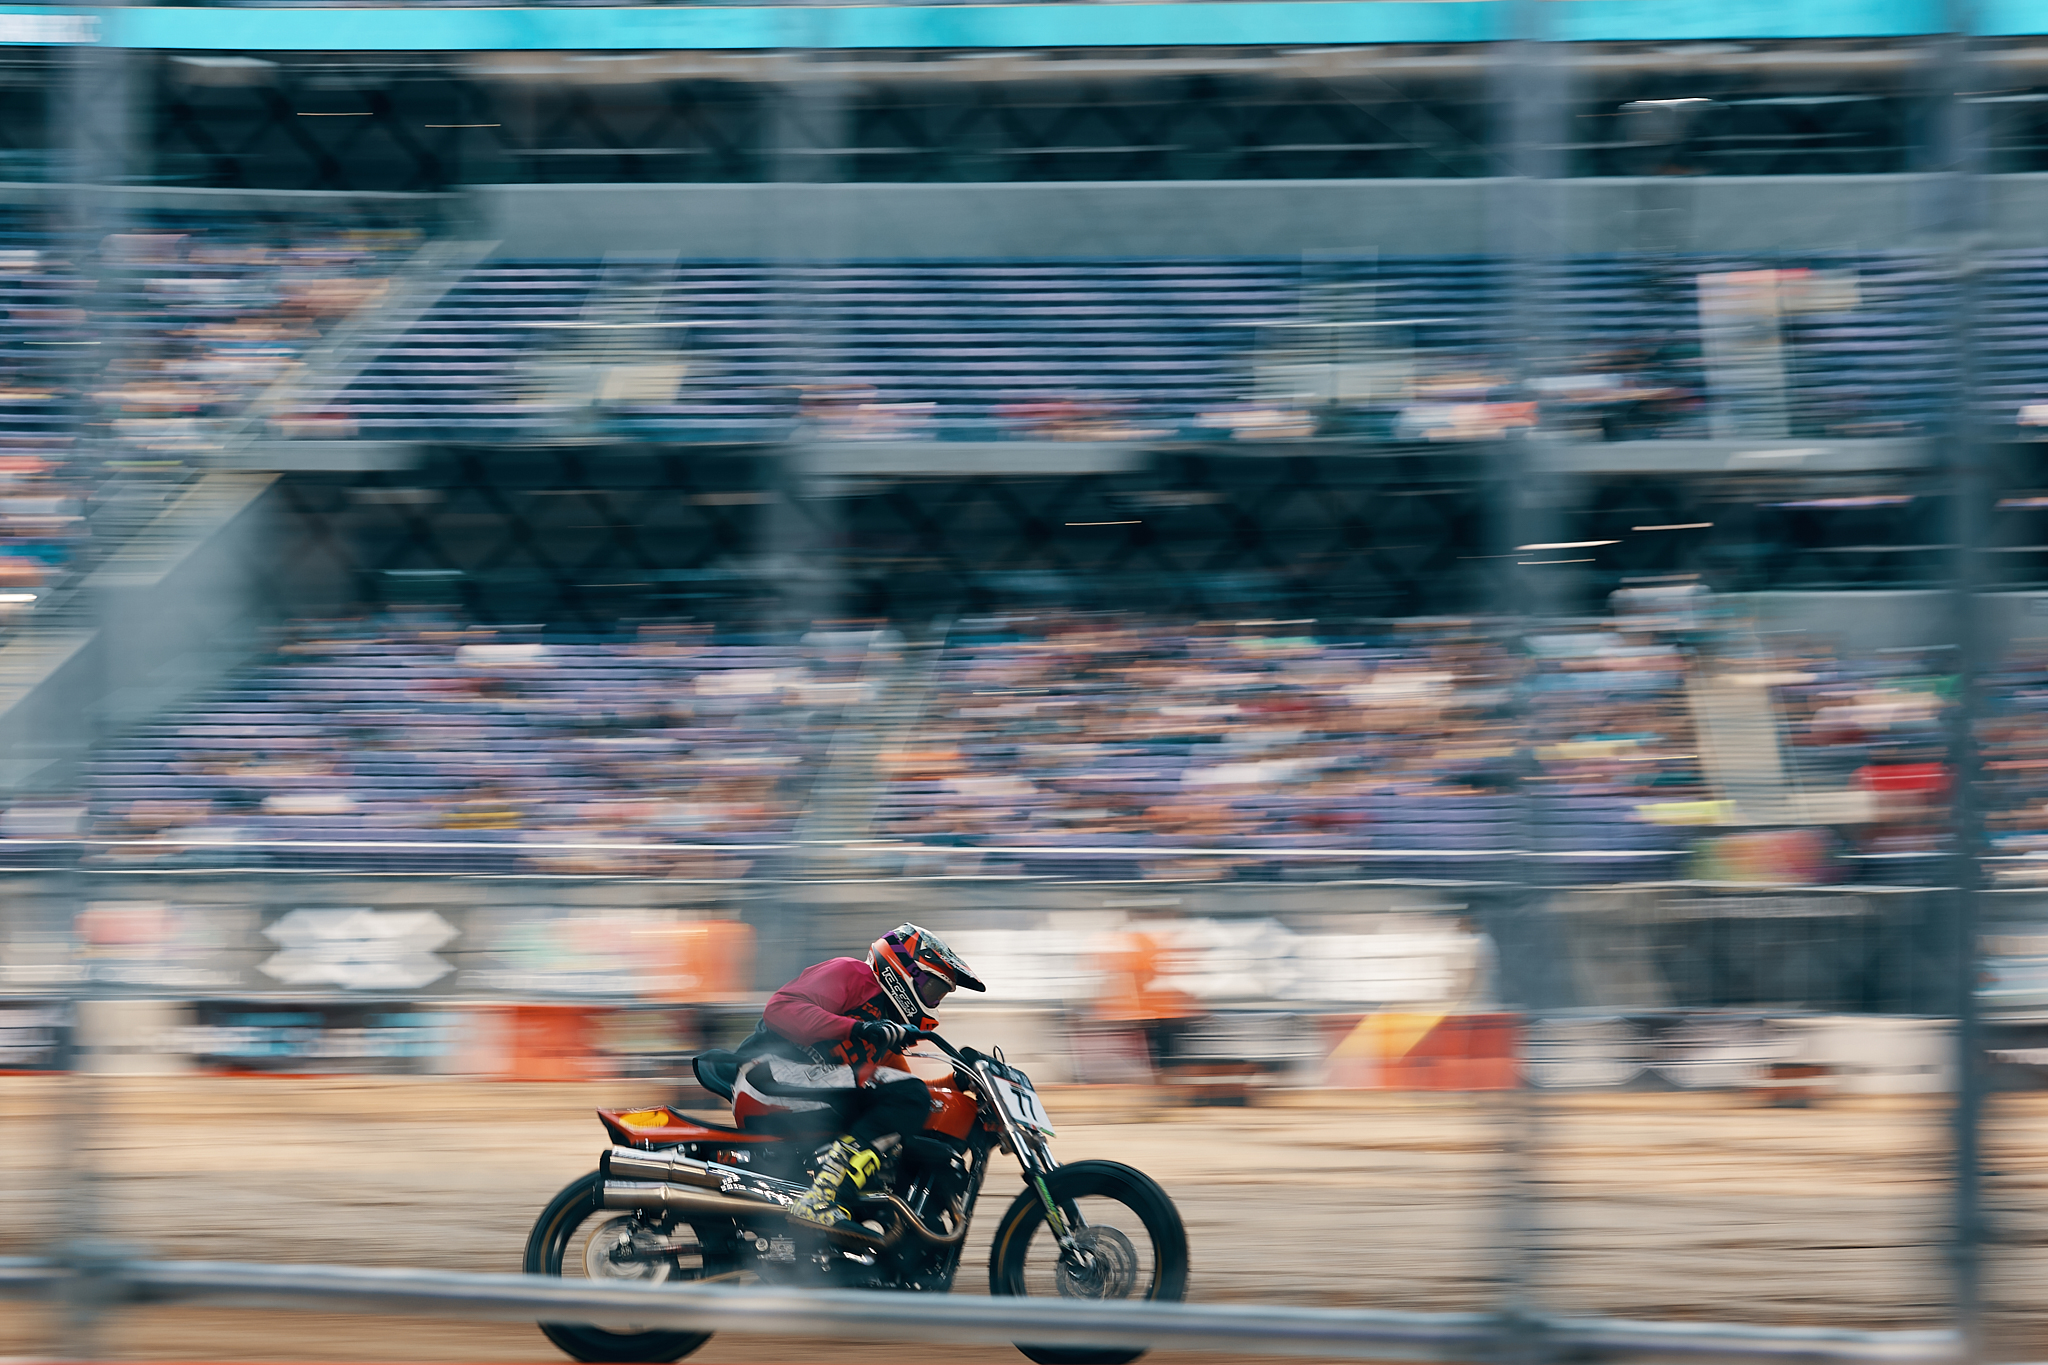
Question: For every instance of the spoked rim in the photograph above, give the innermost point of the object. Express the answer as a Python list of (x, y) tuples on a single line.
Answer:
[(602, 1246), (1127, 1242), (609, 1253), (1113, 1256), (577, 1238)]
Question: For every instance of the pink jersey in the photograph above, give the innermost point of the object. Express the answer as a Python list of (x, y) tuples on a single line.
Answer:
[(824, 1002)]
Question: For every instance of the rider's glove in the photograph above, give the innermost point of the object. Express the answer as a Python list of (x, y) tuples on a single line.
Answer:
[(882, 1034)]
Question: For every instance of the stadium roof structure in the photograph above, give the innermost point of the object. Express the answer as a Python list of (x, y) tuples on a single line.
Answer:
[(1192, 23)]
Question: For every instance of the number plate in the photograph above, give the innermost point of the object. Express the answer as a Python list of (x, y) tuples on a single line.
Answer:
[(1022, 1103)]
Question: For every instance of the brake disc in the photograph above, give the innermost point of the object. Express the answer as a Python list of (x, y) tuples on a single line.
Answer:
[(1101, 1264), (622, 1249)]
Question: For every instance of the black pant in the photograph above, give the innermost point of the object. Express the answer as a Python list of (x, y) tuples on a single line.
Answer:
[(870, 1112), (894, 1106)]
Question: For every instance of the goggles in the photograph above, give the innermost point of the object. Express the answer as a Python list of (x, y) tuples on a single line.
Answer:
[(930, 986)]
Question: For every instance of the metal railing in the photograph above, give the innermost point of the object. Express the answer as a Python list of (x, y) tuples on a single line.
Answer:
[(1364, 1334)]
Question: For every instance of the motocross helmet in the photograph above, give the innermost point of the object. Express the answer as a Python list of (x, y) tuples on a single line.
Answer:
[(917, 970)]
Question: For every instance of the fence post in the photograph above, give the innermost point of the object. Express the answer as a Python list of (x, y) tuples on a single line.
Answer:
[(98, 110), (1953, 212), (1529, 74)]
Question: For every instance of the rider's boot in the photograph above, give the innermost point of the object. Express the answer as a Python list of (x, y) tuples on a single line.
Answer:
[(842, 1172)]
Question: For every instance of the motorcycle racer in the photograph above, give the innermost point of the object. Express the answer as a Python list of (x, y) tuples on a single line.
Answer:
[(832, 1039)]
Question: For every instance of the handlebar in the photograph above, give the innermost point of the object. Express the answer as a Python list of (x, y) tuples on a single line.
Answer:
[(926, 1036)]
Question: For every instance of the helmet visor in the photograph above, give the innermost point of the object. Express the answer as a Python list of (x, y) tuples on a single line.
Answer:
[(931, 987)]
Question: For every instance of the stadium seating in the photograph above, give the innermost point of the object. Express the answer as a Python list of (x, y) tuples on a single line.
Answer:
[(1137, 349), (1103, 349), (425, 745), (1061, 747)]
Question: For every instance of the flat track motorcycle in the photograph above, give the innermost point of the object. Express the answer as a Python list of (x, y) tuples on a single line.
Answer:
[(676, 1201)]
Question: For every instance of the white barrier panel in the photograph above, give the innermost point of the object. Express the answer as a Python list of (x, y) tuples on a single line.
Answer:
[(887, 1316), (1875, 1055)]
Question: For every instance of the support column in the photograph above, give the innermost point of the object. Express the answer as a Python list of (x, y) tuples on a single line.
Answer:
[(802, 236), (1527, 86), (93, 124), (1952, 214), (800, 549)]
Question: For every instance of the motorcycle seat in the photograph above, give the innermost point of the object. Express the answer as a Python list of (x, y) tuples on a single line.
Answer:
[(717, 1071)]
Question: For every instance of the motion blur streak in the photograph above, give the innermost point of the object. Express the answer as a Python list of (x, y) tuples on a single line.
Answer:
[(1448, 603)]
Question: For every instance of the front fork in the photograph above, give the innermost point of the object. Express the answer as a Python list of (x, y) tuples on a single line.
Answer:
[(1036, 1159), (1037, 1163)]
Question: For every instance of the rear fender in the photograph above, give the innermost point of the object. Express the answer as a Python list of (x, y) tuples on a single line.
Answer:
[(664, 1127)]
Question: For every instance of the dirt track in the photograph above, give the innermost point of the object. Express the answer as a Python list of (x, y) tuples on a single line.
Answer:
[(1690, 1206)]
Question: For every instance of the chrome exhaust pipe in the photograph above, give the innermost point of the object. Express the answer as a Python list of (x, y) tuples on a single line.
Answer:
[(692, 1200), (624, 1163), (634, 1194), (683, 1184)]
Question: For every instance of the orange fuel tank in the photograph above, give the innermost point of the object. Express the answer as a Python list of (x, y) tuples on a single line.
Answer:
[(953, 1108), (953, 1111)]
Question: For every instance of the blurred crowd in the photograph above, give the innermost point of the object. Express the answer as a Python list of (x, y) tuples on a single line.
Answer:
[(43, 500), (664, 751), (1647, 746), (188, 322), (1235, 749), (214, 316), (1243, 736), (2013, 758)]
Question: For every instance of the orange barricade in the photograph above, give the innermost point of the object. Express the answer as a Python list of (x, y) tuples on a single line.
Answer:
[(710, 960), (550, 1042), (1405, 1050)]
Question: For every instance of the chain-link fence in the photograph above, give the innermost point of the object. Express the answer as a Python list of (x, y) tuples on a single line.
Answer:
[(1462, 614)]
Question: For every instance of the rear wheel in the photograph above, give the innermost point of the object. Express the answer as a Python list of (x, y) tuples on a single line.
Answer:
[(576, 1237), (1129, 1244)]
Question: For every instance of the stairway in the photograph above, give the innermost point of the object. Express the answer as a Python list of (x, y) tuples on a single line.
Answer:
[(840, 813), (318, 381), (1736, 724), (621, 348)]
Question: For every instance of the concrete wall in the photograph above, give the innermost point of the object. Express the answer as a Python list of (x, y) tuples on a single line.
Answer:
[(1236, 217), (198, 199), (1167, 217), (2016, 618), (1859, 621), (179, 605), (164, 617), (43, 728), (1863, 621)]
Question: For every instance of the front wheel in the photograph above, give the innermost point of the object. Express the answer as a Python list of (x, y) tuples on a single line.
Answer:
[(577, 1237), (1129, 1244)]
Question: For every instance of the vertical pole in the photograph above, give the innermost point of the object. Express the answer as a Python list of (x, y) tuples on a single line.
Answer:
[(95, 120), (1954, 212), (807, 132), (1527, 97)]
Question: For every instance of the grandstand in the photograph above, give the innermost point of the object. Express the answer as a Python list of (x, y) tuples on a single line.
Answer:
[(512, 752), (1182, 350), (1003, 329), (1339, 542)]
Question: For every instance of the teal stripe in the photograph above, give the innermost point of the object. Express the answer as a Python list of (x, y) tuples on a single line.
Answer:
[(1199, 23), (708, 27), (2011, 18), (451, 30), (1189, 24), (1636, 21)]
